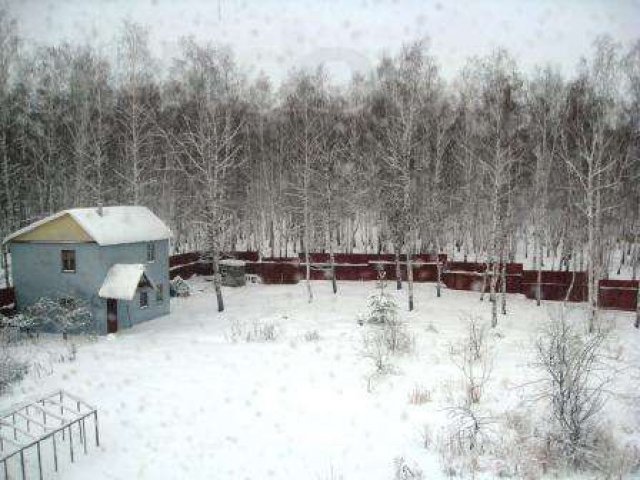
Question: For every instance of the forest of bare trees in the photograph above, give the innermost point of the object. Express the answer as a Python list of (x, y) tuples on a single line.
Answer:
[(400, 160)]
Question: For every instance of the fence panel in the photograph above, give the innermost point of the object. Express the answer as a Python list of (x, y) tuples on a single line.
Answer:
[(613, 294)]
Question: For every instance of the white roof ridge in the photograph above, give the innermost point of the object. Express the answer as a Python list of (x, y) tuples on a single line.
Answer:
[(116, 225)]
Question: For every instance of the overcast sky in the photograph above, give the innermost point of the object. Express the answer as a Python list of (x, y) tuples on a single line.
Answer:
[(275, 35)]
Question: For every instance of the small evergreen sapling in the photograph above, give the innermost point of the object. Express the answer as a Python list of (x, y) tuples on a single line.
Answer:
[(382, 307)]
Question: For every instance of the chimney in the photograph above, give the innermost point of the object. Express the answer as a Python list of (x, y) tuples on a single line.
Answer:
[(100, 211)]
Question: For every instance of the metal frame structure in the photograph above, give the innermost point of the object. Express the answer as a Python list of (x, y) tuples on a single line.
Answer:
[(25, 430)]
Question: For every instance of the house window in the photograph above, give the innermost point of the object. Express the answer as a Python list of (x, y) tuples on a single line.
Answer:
[(151, 252), (144, 299), (159, 294), (68, 260)]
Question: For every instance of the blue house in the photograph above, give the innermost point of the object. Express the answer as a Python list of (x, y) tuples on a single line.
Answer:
[(114, 258)]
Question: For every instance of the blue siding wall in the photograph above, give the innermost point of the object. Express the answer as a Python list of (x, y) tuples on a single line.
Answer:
[(37, 272), (130, 313)]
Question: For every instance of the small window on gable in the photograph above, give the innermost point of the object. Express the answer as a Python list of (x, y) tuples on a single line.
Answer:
[(151, 252), (159, 294), (68, 258), (144, 299)]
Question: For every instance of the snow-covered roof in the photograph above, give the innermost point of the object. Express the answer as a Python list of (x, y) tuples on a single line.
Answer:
[(122, 281), (116, 225), (232, 262)]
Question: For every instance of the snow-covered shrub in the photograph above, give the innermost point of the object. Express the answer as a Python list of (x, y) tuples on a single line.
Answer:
[(257, 331), (419, 395), (311, 336), (518, 450), (397, 337), (376, 348), (9, 333), (432, 328), (265, 331), (11, 370), (332, 474), (71, 353), (574, 374), (615, 461), (179, 288), (427, 437), (476, 341), (406, 470), (463, 441), (473, 359), (65, 314), (28, 322)]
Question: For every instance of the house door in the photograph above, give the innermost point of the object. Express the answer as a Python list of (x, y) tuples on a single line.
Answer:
[(112, 315)]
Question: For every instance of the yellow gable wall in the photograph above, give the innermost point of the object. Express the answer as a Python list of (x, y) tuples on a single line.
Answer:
[(62, 229)]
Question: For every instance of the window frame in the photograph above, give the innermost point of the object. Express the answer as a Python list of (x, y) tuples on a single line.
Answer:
[(64, 259), (151, 252), (143, 294), (159, 293)]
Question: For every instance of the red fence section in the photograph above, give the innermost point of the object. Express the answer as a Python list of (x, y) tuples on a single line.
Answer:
[(278, 273), (555, 285), (7, 301), (618, 294), (183, 258), (365, 258)]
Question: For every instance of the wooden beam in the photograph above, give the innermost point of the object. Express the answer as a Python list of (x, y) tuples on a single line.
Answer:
[(48, 412), (64, 407), (18, 429), (12, 442), (31, 419)]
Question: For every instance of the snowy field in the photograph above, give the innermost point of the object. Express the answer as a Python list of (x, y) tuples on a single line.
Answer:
[(177, 398)]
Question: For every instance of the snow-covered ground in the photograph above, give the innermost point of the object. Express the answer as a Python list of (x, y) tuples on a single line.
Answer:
[(178, 399)]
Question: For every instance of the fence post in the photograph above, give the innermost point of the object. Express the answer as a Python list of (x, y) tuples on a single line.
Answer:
[(55, 452), (95, 421), (5, 263), (39, 461), (24, 475), (71, 442), (637, 325)]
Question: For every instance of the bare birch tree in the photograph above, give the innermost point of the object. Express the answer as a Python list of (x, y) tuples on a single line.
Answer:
[(208, 144), (408, 84), (544, 104), (136, 118), (587, 153), (497, 152)]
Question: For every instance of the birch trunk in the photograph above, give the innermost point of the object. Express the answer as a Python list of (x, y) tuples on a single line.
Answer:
[(637, 324), (439, 276), (591, 249), (217, 282), (398, 269), (409, 276), (492, 294), (5, 263), (332, 262), (215, 266), (503, 279), (539, 274)]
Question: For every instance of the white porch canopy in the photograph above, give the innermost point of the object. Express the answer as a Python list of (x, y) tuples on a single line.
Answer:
[(122, 280)]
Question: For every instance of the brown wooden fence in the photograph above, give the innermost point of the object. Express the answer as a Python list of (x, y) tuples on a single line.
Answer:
[(7, 301), (469, 276)]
